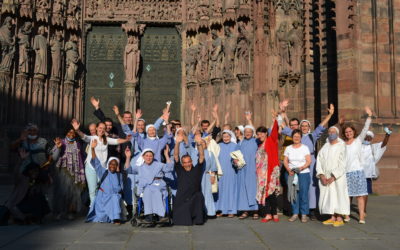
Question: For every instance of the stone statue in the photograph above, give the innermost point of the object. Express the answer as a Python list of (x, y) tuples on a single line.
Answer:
[(7, 45), (24, 47), (72, 59), (73, 15), (41, 47), (56, 56), (57, 12), (283, 47), (216, 56), (229, 47), (132, 60), (191, 60), (295, 37), (242, 51), (203, 58)]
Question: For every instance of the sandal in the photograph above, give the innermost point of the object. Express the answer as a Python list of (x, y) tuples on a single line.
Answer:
[(244, 216), (219, 215), (231, 215), (256, 217)]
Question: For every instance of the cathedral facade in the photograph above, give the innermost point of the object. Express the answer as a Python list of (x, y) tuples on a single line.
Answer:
[(244, 55)]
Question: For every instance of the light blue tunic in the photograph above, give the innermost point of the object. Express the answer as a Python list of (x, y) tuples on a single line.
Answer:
[(107, 204), (152, 186), (227, 186), (247, 178), (313, 192), (210, 166)]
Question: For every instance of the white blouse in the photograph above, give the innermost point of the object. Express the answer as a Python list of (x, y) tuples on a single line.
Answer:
[(101, 148), (353, 150)]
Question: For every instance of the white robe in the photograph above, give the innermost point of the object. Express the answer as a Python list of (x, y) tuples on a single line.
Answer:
[(334, 198), (371, 154)]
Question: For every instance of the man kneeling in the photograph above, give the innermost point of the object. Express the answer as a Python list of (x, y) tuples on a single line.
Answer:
[(189, 202)]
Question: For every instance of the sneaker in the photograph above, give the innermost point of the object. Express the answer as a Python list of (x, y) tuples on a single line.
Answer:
[(304, 218), (361, 222), (293, 218), (329, 222), (338, 223)]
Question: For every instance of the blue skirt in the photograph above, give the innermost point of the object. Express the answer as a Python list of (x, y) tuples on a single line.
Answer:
[(357, 183)]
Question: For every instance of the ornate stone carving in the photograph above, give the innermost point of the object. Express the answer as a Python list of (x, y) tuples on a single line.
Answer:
[(42, 10), (73, 15), (216, 57), (7, 43), (132, 60), (9, 6), (56, 47), (229, 47), (203, 59), (192, 52), (72, 59), (24, 47), (283, 47), (296, 47), (25, 9), (40, 46), (243, 50), (57, 13)]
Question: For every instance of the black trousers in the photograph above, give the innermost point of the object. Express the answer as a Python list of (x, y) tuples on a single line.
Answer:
[(270, 206)]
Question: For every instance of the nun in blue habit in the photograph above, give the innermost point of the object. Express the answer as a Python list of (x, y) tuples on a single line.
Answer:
[(247, 177), (151, 185), (227, 186), (107, 204)]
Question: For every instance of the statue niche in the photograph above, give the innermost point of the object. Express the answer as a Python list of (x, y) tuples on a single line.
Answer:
[(71, 60), (7, 43), (24, 47), (216, 56), (40, 46)]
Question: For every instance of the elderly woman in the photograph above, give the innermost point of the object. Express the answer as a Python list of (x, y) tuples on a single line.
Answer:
[(267, 170), (227, 196), (107, 205), (331, 172), (297, 163), (310, 138), (151, 186), (356, 181)]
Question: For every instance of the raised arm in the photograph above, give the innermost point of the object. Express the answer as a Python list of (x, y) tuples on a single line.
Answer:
[(248, 116), (226, 118), (179, 139), (331, 110), (97, 111), (366, 125), (200, 148), (75, 124), (128, 155), (385, 141), (193, 109), (117, 114)]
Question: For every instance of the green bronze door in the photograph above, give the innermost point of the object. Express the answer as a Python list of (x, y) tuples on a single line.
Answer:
[(105, 71), (160, 80)]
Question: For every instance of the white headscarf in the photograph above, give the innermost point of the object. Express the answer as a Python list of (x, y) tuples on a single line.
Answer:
[(140, 160), (179, 129), (110, 159), (241, 128), (309, 124), (233, 137), (147, 130), (336, 128), (370, 133), (250, 127)]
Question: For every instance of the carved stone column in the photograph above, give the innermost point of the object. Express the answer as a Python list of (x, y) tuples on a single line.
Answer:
[(37, 107), (53, 100), (4, 95), (68, 100), (22, 95)]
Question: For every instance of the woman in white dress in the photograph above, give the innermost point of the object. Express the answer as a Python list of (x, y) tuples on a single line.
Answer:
[(356, 181)]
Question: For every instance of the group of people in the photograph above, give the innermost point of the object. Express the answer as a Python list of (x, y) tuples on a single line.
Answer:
[(208, 170)]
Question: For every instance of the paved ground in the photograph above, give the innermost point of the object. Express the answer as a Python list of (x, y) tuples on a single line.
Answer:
[(382, 231)]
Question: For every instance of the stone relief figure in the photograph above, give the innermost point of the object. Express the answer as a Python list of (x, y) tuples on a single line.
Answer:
[(24, 47), (283, 47), (295, 37), (40, 46), (8, 6), (229, 47), (242, 51), (7, 45), (72, 59), (73, 14), (132, 60), (57, 13), (191, 60), (42, 10), (56, 56), (216, 56), (25, 9), (203, 58)]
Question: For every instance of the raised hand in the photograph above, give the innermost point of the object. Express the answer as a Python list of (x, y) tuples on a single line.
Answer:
[(274, 114), (165, 116), (248, 115), (58, 142), (75, 124), (138, 114), (193, 107), (215, 108), (214, 115), (23, 135), (226, 117), (331, 109), (197, 139), (23, 153), (116, 110), (93, 144), (179, 138), (368, 111), (95, 102), (283, 105), (128, 153)]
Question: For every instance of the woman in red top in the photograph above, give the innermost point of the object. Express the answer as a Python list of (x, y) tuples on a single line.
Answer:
[(268, 172)]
